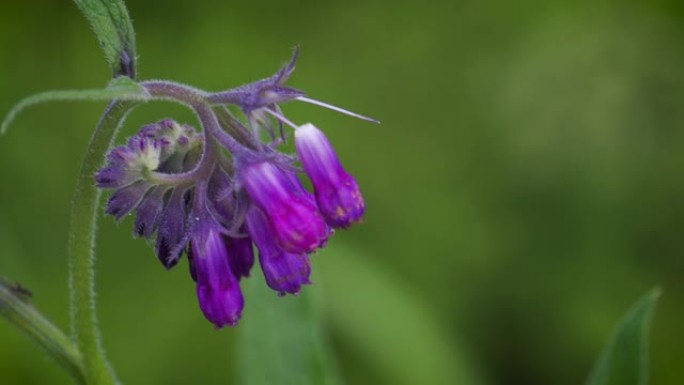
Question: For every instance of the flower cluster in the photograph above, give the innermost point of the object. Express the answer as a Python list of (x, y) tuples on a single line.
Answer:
[(214, 194)]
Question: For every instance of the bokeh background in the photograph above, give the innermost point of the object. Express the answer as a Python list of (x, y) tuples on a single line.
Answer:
[(526, 185)]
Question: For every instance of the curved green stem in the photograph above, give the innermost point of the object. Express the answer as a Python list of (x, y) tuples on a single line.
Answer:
[(28, 319), (84, 209)]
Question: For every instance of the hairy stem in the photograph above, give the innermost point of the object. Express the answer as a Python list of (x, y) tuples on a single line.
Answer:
[(28, 319), (84, 209), (195, 100)]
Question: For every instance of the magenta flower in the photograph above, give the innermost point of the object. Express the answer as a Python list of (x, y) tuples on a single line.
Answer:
[(285, 272), (337, 193), (290, 210), (218, 291)]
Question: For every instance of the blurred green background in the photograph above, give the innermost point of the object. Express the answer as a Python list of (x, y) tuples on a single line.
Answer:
[(526, 185)]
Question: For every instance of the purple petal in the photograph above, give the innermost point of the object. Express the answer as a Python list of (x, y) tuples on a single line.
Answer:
[(293, 215), (342, 205), (123, 201), (121, 156), (337, 193), (149, 212), (172, 235), (299, 227), (241, 255), (115, 177), (284, 272), (218, 291)]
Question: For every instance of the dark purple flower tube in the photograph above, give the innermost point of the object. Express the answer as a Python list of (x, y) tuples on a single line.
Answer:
[(172, 229), (292, 213), (218, 291), (337, 193), (284, 272), (149, 212), (241, 255)]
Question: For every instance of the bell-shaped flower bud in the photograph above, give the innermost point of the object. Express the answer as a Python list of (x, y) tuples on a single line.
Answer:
[(218, 291), (337, 193), (292, 213), (284, 272)]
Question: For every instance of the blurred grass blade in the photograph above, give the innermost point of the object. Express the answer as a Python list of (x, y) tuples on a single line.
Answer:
[(15, 308), (388, 324), (121, 88), (114, 30), (282, 340), (624, 360)]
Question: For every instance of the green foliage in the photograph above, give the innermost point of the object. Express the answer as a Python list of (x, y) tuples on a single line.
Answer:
[(624, 360), (121, 88), (114, 30), (390, 325), (524, 147), (282, 340)]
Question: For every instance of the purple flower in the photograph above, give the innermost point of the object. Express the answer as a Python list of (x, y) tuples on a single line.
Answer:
[(149, 212), (218, 291), (241, 254), (126, 199), (291, 212), (128, 164), (172, 235), (284, 272), (337, 193), (177, 142), (214, 194)]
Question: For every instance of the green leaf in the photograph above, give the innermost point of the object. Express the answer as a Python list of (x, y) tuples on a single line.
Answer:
[(282, 339), (624, 360), (114, 30), (121, 88), (388, 324)]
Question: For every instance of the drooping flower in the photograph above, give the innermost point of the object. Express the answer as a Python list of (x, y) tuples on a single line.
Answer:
[(215, 195), (284, 272), (218, 290), (337, 193), (291, 211)]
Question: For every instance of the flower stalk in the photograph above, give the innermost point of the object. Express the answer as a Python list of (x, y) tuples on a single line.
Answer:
[(84, 211)]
